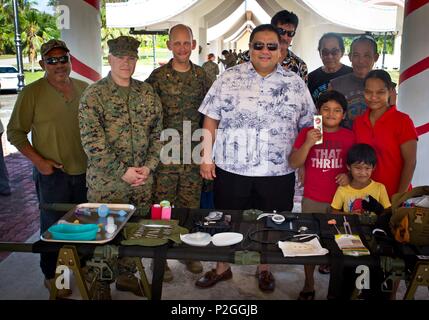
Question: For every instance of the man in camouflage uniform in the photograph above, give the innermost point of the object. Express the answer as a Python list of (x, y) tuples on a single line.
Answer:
[(120, 122), (181, 85), (211, 67), (229, 60)]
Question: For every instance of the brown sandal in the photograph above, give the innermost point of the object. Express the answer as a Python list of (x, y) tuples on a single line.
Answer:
[(307, 295)]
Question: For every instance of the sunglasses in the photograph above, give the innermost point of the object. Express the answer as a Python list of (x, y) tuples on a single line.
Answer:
[(283, 32), (332, 52), (258, 46), (56, 60)]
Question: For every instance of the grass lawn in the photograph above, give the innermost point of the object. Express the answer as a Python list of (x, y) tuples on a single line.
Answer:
[(31, 77), (7, 56)]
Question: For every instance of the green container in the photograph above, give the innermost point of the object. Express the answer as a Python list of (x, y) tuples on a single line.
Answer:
[(80, 232)]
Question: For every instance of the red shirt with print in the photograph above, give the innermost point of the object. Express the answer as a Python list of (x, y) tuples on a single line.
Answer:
[(324, 162)]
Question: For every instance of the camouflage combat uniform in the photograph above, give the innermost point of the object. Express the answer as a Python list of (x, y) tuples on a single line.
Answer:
[(229, 61), (181, 95), (212, 70), (120, 128)]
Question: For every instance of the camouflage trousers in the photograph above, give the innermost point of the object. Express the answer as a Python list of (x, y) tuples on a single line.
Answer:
[(140, 197), (181, 186)]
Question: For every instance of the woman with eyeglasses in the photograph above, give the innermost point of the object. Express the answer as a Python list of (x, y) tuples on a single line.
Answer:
[(331, 50)]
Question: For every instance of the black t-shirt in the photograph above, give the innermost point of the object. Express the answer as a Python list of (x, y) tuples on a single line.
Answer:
[(318, 80)]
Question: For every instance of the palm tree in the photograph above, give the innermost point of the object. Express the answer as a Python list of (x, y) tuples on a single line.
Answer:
[(7, 34), (30, 35), (36, 27)]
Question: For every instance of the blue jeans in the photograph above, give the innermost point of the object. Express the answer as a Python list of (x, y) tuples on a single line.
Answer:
[(58, 187), (4, 177)]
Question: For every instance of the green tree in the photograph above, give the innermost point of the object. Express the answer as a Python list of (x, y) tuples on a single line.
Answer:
[(390, 43), (36, 28)]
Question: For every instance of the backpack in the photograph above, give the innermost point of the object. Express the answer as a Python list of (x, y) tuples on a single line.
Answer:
[(410, 224)]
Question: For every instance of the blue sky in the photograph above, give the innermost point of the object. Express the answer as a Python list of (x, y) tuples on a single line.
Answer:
[(42, 6)]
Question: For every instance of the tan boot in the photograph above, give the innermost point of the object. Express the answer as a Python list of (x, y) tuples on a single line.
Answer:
[(128, 282), (61, 293), (193, 266)]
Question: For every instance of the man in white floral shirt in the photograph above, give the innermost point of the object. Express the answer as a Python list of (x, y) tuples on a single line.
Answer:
[(253, 113), (286, 23)]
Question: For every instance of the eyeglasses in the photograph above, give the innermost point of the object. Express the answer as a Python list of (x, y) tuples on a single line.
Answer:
[(332, 52), (282, 32), (56, 60), (258, 46)]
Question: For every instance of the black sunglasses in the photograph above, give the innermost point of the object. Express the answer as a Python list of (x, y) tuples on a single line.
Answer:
[(56, 60), (283, 32), (260, 45)]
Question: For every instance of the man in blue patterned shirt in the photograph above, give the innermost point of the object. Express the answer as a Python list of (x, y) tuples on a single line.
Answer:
[(253, 113)]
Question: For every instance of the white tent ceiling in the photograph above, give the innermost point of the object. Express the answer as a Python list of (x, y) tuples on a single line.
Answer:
[(229, 16), (356, 14), (138, 13)]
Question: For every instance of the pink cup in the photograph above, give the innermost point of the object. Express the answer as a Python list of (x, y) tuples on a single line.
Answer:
[(166, 213)]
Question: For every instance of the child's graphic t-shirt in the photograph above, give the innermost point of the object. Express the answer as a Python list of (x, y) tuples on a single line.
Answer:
[(324, 162), (349, 199)]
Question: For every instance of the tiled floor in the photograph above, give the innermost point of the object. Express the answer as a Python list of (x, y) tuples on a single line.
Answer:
[(19, 214)]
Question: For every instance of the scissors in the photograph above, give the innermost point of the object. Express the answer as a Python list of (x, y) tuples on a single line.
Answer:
[(346, 225)]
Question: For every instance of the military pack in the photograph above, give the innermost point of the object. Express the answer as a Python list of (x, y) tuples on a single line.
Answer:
[(410, 219)]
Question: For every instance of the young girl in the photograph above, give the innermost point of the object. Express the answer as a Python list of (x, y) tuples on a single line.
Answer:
[(324, 163), (390, 132)]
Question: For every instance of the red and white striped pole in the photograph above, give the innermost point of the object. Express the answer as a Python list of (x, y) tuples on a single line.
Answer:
[(82, 34), (413, 95)]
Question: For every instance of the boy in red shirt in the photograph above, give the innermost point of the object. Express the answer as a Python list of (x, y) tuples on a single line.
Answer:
[(324, 164)]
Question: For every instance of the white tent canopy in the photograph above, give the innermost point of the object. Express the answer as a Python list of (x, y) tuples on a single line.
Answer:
[(355, 14), (138, 13), (145, 13)]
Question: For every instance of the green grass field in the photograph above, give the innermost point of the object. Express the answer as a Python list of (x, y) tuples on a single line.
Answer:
[(30, 77), (7, 56)]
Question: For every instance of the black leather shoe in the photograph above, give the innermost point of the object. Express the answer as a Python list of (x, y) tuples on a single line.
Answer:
[(266, 281), (210, 278)]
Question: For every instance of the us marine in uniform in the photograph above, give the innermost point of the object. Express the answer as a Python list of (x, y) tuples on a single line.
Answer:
[(120, 124)]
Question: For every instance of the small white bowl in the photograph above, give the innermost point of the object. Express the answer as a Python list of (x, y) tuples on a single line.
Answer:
[(278, 219)]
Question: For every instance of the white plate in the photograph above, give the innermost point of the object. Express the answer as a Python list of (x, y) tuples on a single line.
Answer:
[(197, 239), (226, 239)]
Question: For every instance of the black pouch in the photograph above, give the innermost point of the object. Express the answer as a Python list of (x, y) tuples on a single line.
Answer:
[(212, 227)]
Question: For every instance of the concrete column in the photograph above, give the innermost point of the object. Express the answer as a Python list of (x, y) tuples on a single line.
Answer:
[(203, 44), (83, 37), (413, 93)]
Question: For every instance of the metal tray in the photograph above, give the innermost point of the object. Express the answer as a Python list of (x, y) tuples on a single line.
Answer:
[(102, 235)]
